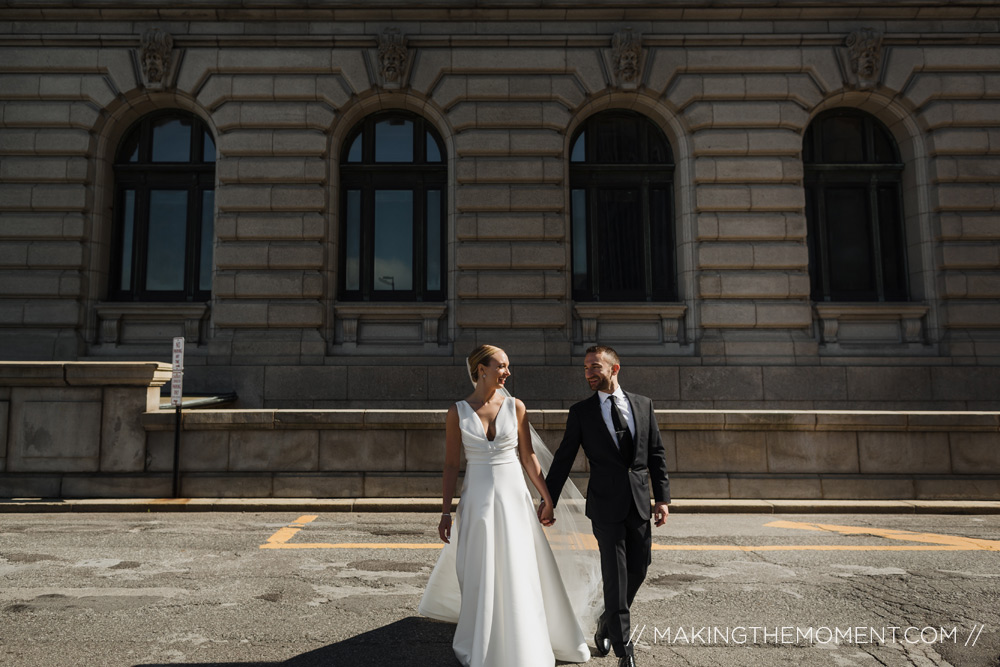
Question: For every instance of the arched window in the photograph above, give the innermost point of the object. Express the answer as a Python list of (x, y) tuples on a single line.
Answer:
[(392, 185), (164, 210), (621, 207), (854, 209)]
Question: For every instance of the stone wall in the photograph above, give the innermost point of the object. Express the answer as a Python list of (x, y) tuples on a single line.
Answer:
[(733, 85), (94, 429)]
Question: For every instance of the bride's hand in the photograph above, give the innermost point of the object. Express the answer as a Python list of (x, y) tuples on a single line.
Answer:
[(545, 514), (444, 528)]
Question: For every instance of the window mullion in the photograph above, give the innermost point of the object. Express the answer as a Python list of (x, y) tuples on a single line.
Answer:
[(873, 224), (821, 239), (647, 241)]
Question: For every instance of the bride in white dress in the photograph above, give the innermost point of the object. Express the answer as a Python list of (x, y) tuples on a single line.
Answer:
[(501, 582)]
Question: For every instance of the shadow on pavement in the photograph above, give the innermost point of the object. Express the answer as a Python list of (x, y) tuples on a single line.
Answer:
[(410, 642)]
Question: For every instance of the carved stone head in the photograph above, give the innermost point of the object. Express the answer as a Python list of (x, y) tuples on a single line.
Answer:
[(391, 55), (627, 50), (155, 54), (865, 53)]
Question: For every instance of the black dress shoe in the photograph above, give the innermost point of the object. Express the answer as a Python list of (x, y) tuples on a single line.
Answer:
[(602, 642), (626, 661)]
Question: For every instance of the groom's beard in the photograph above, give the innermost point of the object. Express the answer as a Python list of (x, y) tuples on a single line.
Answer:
[(602, 384)]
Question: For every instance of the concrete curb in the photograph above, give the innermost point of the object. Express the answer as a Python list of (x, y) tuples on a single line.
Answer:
[(430, 505)]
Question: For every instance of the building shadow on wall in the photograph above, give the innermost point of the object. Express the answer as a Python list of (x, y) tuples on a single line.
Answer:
[(410, 642)]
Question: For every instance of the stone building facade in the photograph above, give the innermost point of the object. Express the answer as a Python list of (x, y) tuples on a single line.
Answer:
[(761, 205)]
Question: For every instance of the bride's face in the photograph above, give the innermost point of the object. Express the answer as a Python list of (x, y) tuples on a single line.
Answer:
[(496, 374)]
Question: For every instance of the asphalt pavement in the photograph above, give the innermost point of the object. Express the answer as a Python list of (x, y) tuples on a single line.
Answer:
[(902, 585)]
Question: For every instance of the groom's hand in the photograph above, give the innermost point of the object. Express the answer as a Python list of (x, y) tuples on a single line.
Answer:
[(545, 514), (660, 512)]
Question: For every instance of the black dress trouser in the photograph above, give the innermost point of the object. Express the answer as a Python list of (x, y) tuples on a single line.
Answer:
[(626, 551)]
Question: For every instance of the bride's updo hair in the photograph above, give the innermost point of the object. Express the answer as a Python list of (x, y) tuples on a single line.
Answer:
[(481, 355)]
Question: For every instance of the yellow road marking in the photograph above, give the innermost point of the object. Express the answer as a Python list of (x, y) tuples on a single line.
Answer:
[(931, 541), (953, 541)]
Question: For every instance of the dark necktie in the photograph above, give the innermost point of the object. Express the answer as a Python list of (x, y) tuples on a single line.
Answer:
[(625, 444)]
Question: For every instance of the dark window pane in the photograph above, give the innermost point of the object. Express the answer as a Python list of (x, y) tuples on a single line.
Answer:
[(892, 245), (843, 140), (661, 244), (128, 238), (129, 151), (354, 155), (352, 243), (659, 150), (172, 140), (617, 141), (393, 240), (394, 141), (433, 240), (620, 243), (579, 152), (579, 232), (884, 146), (207, 240), (208, 150), (433, 152), (849, 243), (165, 256)]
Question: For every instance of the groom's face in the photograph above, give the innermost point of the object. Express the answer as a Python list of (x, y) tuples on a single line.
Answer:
[(599, 372)]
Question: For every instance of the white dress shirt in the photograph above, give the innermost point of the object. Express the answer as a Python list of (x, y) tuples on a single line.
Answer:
[(623, 406)]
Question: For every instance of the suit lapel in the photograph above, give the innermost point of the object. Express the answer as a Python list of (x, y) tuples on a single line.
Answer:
[(598, 425)]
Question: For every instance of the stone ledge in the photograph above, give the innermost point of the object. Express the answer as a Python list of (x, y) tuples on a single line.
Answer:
[(83, 373), (668, 420)]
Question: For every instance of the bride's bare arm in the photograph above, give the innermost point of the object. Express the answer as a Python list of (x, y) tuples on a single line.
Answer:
[(452, 452), (530, 462)]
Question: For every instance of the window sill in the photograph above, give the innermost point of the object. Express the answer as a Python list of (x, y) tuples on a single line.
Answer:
[(389, 324), (851, 327), (623, 322), (150, 322)]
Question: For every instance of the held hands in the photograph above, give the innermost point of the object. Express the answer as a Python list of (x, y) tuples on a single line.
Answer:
[(444, 528), (660, 513), (545, 511)]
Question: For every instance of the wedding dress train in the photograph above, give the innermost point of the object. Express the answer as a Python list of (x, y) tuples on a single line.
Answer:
[(498, 578)]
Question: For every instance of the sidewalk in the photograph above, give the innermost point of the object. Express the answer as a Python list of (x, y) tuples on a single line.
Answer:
[(681, 506)]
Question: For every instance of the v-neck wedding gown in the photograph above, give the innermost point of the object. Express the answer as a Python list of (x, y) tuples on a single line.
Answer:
[(498, 580)]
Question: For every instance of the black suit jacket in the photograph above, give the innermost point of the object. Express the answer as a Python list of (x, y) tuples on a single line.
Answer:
[(615, 484)]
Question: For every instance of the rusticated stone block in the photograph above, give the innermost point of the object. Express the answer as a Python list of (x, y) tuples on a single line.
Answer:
[(726, 451), (403, 485), (194, 485), (274, 451), (689, 485), (201, 451), (30, 486), (783, 383), (874, 384), (867, 487), (123, 439), (920, 453), (425, 451), (375, 449), (776, 486), (318, 485), (55, 430), (975, 453), (721, 384), (116, 486), (812, 452)]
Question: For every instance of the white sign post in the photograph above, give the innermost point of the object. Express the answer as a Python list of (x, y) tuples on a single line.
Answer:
[(176, 395), (177, 376)]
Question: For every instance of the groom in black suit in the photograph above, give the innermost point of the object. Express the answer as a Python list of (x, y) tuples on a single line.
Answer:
[(622, 442)]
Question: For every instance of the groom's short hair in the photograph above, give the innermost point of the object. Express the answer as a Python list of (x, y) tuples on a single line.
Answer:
[(607, 351)]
